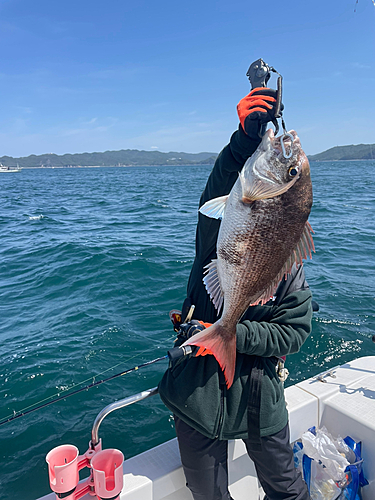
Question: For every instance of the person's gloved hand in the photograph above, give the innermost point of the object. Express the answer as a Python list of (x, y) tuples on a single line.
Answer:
[(189, 329), (257, 109)]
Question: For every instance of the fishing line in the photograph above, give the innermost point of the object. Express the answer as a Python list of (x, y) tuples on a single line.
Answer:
[(57, 397), (21, 413)]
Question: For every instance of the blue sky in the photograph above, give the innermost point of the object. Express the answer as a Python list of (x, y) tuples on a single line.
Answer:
[(95, 75)]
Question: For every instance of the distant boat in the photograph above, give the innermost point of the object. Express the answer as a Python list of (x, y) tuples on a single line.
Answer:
[(3, 168)]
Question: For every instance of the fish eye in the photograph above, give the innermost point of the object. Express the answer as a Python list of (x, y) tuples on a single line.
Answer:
[(293, 171)]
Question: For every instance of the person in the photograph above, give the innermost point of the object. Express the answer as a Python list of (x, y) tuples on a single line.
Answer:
[(207, 414)]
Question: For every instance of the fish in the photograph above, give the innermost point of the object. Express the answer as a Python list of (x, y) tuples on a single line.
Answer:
[(264, 231)]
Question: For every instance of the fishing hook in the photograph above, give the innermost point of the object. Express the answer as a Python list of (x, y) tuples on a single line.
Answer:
[(278, 114), (283, 138)]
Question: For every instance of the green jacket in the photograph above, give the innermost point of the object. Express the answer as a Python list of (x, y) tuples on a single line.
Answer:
[(193, 388)]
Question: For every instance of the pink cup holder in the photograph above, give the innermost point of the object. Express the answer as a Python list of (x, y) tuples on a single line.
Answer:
[(64, 463), (63, 468), (107, 472)]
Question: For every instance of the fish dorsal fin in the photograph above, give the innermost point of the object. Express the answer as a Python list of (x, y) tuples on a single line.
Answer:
[(268, 294), (215, 208), (303, 250), (212, 283), (304, 247)]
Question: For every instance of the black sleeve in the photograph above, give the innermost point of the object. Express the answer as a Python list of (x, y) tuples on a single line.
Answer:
[(221, 180), (227, 166)]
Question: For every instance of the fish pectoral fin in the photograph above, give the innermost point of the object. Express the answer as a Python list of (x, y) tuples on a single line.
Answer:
[(212, 283), (214, 208), (260, 189), (221, 344)]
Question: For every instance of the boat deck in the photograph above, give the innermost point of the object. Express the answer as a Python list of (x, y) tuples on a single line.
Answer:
[(343, 400)]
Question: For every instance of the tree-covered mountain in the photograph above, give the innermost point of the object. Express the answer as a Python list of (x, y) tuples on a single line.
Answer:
[(352, 152), (134, 157), (124, 157)]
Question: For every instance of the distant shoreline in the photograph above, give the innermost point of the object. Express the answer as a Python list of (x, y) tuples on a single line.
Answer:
[(176, 165), (136, 158), (116, 166), (187, 165), (330, 161)]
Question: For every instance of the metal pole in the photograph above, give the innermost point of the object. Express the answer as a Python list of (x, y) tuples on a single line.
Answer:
[(116, 406)]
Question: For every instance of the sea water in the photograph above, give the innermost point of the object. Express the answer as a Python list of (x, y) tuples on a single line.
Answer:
[(91, 262)]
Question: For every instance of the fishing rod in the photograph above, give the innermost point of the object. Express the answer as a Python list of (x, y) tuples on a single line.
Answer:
[(172, 354), (21, 413)]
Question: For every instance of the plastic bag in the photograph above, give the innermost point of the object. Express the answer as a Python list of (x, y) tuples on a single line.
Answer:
[(322, 486), (322, 448), (331, 467)]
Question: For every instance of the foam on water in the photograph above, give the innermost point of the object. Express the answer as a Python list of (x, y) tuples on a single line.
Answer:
[(36, 217)]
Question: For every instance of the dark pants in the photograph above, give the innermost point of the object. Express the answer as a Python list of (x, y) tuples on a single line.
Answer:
[(206, 469)]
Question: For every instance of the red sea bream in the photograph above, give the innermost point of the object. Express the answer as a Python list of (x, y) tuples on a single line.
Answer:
[(264, 231)]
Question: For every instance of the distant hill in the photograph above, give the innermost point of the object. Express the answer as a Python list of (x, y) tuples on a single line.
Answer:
[(134, 157), (124, 157), (341, 153)]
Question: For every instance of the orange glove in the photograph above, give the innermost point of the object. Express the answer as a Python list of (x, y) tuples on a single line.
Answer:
[(257, 109), (202, 351), (206, 325)]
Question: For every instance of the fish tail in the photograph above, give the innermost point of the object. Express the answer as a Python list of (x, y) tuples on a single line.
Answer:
[(221, 343)]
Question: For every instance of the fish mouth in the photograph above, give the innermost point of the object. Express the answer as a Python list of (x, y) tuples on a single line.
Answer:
[(262, 177), (290, 141)]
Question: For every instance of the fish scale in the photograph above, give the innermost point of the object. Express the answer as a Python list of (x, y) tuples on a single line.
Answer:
[(264, 231)]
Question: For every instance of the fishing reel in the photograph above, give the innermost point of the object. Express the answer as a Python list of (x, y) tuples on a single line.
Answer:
[(258, 74)]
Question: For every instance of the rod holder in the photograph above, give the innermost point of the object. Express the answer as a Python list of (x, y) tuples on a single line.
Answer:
[(107, 473), (105, 481)]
